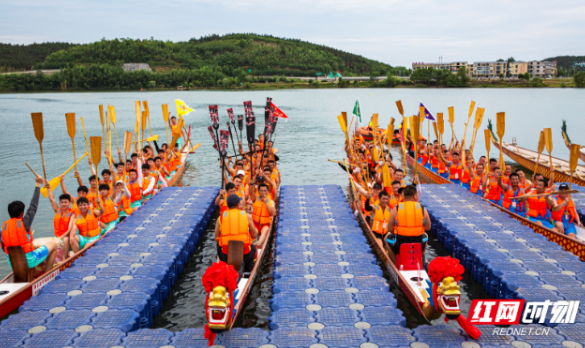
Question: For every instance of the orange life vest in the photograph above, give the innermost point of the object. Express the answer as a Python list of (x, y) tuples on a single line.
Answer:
[(61, 222), (538, 207), (124, 205), (135, 191), (110, 214), (493, 191), (455, 171), (91, 197), (442, 168), (381, 218), (509, 196), (410, 219), (465, 177), (558, 215), (260, 213), (88, 226), (234, 226), (14, 234), (477, 184), (434, 162)]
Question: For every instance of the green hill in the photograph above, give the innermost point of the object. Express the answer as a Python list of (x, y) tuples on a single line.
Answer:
[(258, 54), (24, 57), (566, 62)]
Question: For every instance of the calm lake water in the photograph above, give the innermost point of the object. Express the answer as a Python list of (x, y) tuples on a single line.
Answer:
[(306, 141)]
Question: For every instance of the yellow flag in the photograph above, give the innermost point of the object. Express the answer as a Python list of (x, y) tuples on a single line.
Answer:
[(182, 108)]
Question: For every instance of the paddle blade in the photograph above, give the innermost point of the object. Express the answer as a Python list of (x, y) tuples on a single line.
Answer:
[(471, 107), (478, 118), (451, 114), (70, 118), (145, 104), (386, 177), (143, 120), (440, 123), (165, 108), (127, 141), (375, 122), (344, 115), (96, 149), (501, 124), (54, 183), (415, 128), (112, 114), (37, 120), (400, 108), (541, 142), (548, 139), (575, 149), (152, 138), (488, 139), (342, 123), (138, 116), (436, 131), (102, 114)]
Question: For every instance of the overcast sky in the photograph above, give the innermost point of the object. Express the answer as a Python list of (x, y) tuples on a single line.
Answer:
[(394, 32)]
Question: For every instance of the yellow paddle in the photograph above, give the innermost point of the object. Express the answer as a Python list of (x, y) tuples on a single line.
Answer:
[(70, 118), (540, 149), (176, 135), (165, 110), (400, 108), (549, 147), (37, 120), (56, 181), (477, 124), (113, 120), (145, 104), (501, 128), (347, 170), (441, 126), (152, 138), (102, 120), (127, 143), (195, 147), (85, 136), (96, 151), (451, 120), (436, 131), (575, 149), (414, 129), (386, 177), (143, 128), (138, 118), (488, 143), (343, 124), (471, 107)]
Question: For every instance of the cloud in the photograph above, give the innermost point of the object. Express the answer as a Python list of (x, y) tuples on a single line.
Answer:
[(391, 31)]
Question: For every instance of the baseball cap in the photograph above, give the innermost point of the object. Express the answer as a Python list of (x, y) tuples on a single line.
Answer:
[(563, 187), (241, 172), (233, 200)]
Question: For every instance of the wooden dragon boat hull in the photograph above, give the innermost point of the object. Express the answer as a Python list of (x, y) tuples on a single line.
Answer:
[(13, 295), (527, 158), (415, 291), (434, 177)]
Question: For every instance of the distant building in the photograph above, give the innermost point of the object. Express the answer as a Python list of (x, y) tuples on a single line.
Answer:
[(136, 67), (489, 69), (452, 66), (516, 68)]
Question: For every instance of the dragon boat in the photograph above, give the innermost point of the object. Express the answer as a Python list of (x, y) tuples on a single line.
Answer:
[(23, 283)]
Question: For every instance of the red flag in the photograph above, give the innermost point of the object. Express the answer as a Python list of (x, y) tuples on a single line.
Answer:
[(278, 112)]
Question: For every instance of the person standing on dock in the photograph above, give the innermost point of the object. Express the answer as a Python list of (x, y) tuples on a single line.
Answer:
[(564, 215), (236, 224)]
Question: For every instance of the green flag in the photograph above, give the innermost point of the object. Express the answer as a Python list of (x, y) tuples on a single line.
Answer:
[(357, 111)]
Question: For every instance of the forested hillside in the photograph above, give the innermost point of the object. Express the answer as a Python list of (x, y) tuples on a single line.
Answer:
[(263, 55), (566, 62), (24, 57)]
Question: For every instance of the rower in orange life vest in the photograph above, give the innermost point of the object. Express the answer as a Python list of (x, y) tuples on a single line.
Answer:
[(369, 199), (454, 168), (221, 199), (435, 157), (92, 194), (539, 210), (399, 176), (408, 222), (524, 183), (87, 229), (64, 219), (17, 231), (478, 180), (109, 218), (122, 200), (493, 191), (263, 209), (148, 183), (506, 175), (423, 156), (564, 215), (511, 191), (236, 224), (380, 215), (135, 188), (174, 124)]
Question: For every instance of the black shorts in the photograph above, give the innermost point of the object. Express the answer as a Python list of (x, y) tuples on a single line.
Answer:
[(379, 236), (248, 258), (408, 240)]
